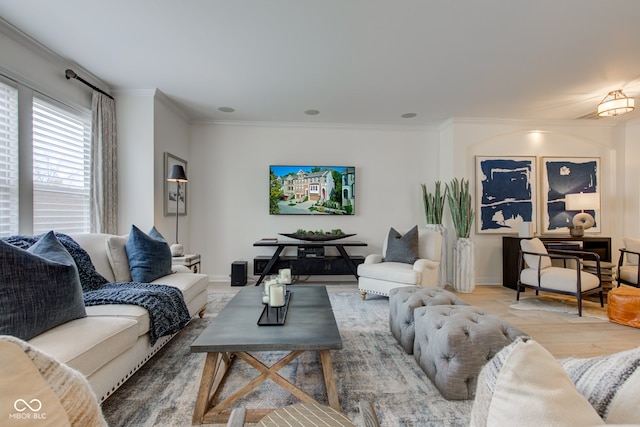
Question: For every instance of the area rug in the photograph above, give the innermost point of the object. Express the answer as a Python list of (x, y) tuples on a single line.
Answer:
[(561, 305), (371, 366)]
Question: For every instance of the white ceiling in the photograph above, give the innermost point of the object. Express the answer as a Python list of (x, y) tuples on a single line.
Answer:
[(356, 61)]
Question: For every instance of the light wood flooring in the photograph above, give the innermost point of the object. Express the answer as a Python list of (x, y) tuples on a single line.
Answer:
[(563, 334)]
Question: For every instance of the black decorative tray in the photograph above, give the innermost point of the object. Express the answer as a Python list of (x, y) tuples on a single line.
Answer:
[(316, 237), (275, 316)]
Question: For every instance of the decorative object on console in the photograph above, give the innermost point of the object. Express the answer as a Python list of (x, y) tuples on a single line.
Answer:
[(433, 210), (462, 214), (318, 235), (177, 175), (505, 193), (581, 202), (615, 103), (312, 190), (563, 176)]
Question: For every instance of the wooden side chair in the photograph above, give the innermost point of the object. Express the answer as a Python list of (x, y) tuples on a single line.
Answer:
[(538, 272)]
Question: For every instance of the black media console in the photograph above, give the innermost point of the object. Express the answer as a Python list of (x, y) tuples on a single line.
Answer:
[(310, 259)]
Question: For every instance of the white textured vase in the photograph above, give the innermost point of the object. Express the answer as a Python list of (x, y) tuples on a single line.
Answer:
[(464, 265), (442, 273)]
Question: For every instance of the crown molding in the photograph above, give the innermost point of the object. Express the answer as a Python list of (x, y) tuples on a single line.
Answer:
[(356, 126), (38, 48)]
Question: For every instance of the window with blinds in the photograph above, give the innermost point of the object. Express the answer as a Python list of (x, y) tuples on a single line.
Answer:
[(61, 169), (8, 160)]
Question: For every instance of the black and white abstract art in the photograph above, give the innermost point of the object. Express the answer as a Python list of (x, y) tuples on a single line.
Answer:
[(505, 193), (562, 176)]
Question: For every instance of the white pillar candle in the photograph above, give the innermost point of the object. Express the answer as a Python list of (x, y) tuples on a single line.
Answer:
[(276, 295), (267, 284), (285, 276)]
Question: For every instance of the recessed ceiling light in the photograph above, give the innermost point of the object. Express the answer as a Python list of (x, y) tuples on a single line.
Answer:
[(408, 115), (226, 109), (312, 112)]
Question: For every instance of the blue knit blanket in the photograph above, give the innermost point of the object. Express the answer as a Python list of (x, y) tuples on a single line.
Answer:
[(168, 312)]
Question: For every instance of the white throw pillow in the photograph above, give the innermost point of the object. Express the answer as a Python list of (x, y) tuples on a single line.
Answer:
[(535, 245), (117, 255), (524, 385), (631, 245), (611, 383)]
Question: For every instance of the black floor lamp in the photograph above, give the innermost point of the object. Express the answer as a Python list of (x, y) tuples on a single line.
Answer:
[(177, 175)]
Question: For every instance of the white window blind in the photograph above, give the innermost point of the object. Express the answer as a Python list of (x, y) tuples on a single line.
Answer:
[(8, 160), (61, 169)]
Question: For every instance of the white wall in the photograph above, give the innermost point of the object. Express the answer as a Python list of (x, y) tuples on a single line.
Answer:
[(629, 179), (136, 187), (228, 185), (171, 134)]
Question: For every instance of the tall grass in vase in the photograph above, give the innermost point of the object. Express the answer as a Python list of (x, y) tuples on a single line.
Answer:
[(459, 200), (462, 214), (434, 203), (433, 211)]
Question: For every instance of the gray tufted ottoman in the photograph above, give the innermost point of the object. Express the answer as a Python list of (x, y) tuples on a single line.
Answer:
[(402, 302), (453, 343)]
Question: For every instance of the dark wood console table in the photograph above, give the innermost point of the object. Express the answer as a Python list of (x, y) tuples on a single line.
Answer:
[(321, 265), (511, 252)]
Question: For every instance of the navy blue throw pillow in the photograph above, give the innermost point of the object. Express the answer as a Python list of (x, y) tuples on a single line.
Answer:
[(39, 288), (402, 248), (149, 255)]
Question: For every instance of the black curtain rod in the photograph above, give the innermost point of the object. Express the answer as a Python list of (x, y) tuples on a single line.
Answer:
[(70, 74)]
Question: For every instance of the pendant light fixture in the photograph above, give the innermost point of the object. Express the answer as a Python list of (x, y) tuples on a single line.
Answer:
[(615, 103)]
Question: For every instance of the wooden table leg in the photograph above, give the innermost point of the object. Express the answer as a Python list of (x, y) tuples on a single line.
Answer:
[(216, 366), (330, 379)]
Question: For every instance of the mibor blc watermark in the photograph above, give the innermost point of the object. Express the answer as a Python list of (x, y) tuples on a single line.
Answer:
[(28, 410)]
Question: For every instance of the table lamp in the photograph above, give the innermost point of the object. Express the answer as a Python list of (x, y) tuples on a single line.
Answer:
[(581, 202), (177, 175)]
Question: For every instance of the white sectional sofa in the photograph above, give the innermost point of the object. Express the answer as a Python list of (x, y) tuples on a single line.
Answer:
[(113, 342)]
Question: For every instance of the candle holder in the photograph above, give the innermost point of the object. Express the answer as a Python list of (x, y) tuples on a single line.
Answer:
[(274, 315)]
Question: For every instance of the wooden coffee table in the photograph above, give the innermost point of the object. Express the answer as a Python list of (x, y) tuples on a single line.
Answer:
[(310, 326)]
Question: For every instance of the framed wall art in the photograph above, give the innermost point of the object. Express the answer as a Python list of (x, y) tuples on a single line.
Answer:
[(562, 176), (505, 193), (170, 188)]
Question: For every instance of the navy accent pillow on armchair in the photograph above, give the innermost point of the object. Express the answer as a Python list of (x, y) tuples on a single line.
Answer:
[(402, 248), (39, 288), (149, 255)]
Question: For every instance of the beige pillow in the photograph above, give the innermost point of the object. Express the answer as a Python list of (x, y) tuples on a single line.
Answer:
[(25, 396), (535, 245), (611, 383), (524, 385), (65, 394), (117, 255), (631, 245)]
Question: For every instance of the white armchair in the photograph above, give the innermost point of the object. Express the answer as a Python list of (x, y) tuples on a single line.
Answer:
[(537, 272), (377, 276)]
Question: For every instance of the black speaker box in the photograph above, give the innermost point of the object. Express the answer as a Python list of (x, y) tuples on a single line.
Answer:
[(238, 273)]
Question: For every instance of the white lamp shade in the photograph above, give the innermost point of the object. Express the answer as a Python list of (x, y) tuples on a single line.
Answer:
[(582, 201)]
